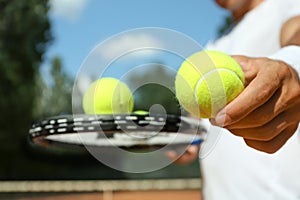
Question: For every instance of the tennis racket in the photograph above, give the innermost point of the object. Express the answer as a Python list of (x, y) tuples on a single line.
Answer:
[(126, 131)]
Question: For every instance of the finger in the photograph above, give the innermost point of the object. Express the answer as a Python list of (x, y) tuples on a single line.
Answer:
[(260, 116), (268, 131), (260, 90), (171, 155), (185, 159), (249, 71), (193, 149), (265, 113), (285, 98), (189, 155), (276, 143)]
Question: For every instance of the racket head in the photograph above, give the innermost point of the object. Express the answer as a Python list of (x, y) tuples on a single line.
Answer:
[(122, 130), (111, 139)]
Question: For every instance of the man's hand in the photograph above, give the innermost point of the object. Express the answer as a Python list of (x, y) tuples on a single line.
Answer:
[(187, 157), (267, 113)]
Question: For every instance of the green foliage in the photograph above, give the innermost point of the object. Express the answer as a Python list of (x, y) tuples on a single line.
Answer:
[(24, 37), (155, 86), (54, 98), (61, 97), (227, 25)]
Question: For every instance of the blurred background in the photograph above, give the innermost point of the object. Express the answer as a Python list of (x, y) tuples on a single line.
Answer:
[(42, 46)]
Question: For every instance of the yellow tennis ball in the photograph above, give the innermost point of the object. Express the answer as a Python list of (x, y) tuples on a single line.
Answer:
[(208, 80), (107, 96), (141, 112)]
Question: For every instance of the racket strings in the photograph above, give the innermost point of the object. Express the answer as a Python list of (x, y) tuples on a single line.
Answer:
[(120, 130)]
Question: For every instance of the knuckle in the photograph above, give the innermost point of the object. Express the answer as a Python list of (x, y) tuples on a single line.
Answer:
[(279, 69), (283, 70), (296, 94), (286, 73), (289, 98), (263, 94), (266, 88)]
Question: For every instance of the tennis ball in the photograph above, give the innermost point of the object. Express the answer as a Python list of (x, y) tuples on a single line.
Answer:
[(141, 112), (206, 81), (107, 96)]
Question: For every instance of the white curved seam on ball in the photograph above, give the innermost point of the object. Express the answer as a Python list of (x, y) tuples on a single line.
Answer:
[(209, 73), (121, 103)]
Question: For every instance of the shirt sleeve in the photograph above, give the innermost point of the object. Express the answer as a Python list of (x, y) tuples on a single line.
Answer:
[(289, 55), (289, 8)]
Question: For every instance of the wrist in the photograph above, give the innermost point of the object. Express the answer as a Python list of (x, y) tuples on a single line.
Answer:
[(290, 55)]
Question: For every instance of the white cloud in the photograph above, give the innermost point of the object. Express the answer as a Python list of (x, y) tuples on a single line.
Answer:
[(69, 9), (123, 51), (123, 44), (83, 83)]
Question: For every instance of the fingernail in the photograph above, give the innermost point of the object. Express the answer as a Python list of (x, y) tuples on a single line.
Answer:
[(222, 119)]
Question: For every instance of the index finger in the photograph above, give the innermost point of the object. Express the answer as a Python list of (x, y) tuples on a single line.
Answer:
[(261, 87), (248, 67)]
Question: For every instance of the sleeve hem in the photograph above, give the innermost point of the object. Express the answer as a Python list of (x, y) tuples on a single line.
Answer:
[(289, 55)]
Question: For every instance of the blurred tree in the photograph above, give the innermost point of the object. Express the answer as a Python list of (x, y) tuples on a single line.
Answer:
[(226, 27), (54, 98), (24, 37), (155, 86)]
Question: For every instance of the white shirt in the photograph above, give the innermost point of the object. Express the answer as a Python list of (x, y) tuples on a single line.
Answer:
[(230, 169)]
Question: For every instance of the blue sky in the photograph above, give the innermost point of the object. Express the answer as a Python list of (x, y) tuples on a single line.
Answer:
[(79, 25)]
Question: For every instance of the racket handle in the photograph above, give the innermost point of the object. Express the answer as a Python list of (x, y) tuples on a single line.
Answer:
[(197, 142)]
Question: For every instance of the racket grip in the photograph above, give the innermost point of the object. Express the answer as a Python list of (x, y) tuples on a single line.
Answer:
[(197, 142)]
